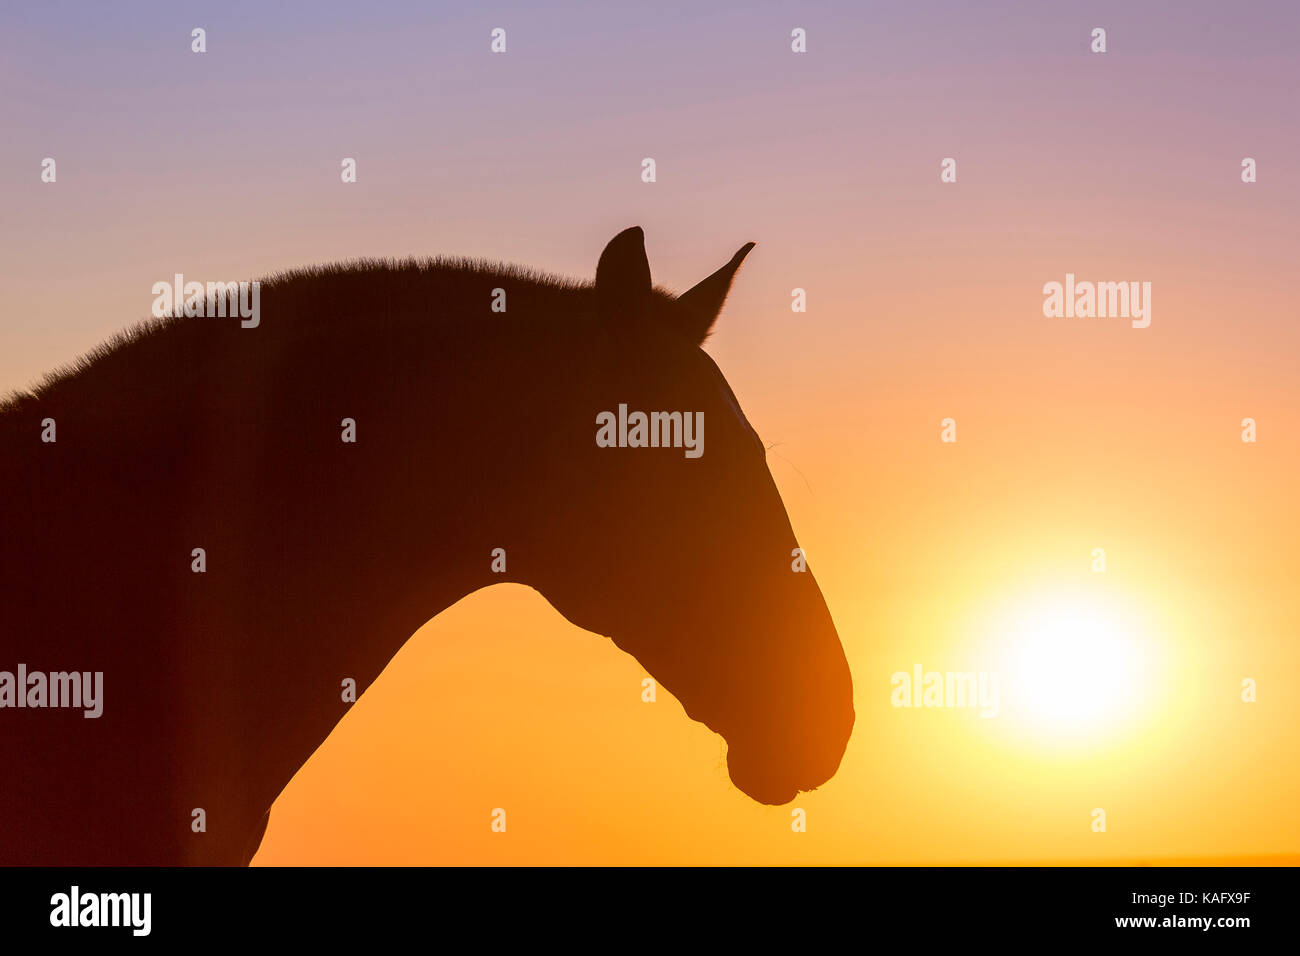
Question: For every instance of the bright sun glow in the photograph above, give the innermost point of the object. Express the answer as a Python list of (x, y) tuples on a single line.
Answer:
[(1071, 665)]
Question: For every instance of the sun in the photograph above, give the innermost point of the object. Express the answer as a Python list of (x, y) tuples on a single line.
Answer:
[(1071, 664)]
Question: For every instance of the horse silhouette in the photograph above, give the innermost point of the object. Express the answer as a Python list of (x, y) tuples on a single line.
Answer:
[(475, 430)]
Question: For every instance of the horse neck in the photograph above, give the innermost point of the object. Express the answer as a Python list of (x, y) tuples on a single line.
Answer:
[(322, 556), (354, 545)]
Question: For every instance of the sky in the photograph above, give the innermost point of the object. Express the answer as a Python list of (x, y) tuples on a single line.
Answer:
[(924, 303)]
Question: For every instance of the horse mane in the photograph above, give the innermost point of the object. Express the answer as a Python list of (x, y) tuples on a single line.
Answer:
[(349, 281)]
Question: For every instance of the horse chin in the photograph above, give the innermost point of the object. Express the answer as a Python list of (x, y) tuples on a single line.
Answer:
[(761, 779)]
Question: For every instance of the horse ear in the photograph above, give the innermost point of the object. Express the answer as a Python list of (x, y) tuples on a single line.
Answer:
[(701, 304), (623, 275)]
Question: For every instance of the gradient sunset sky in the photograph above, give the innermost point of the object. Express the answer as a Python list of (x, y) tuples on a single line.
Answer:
[(924, 303)]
